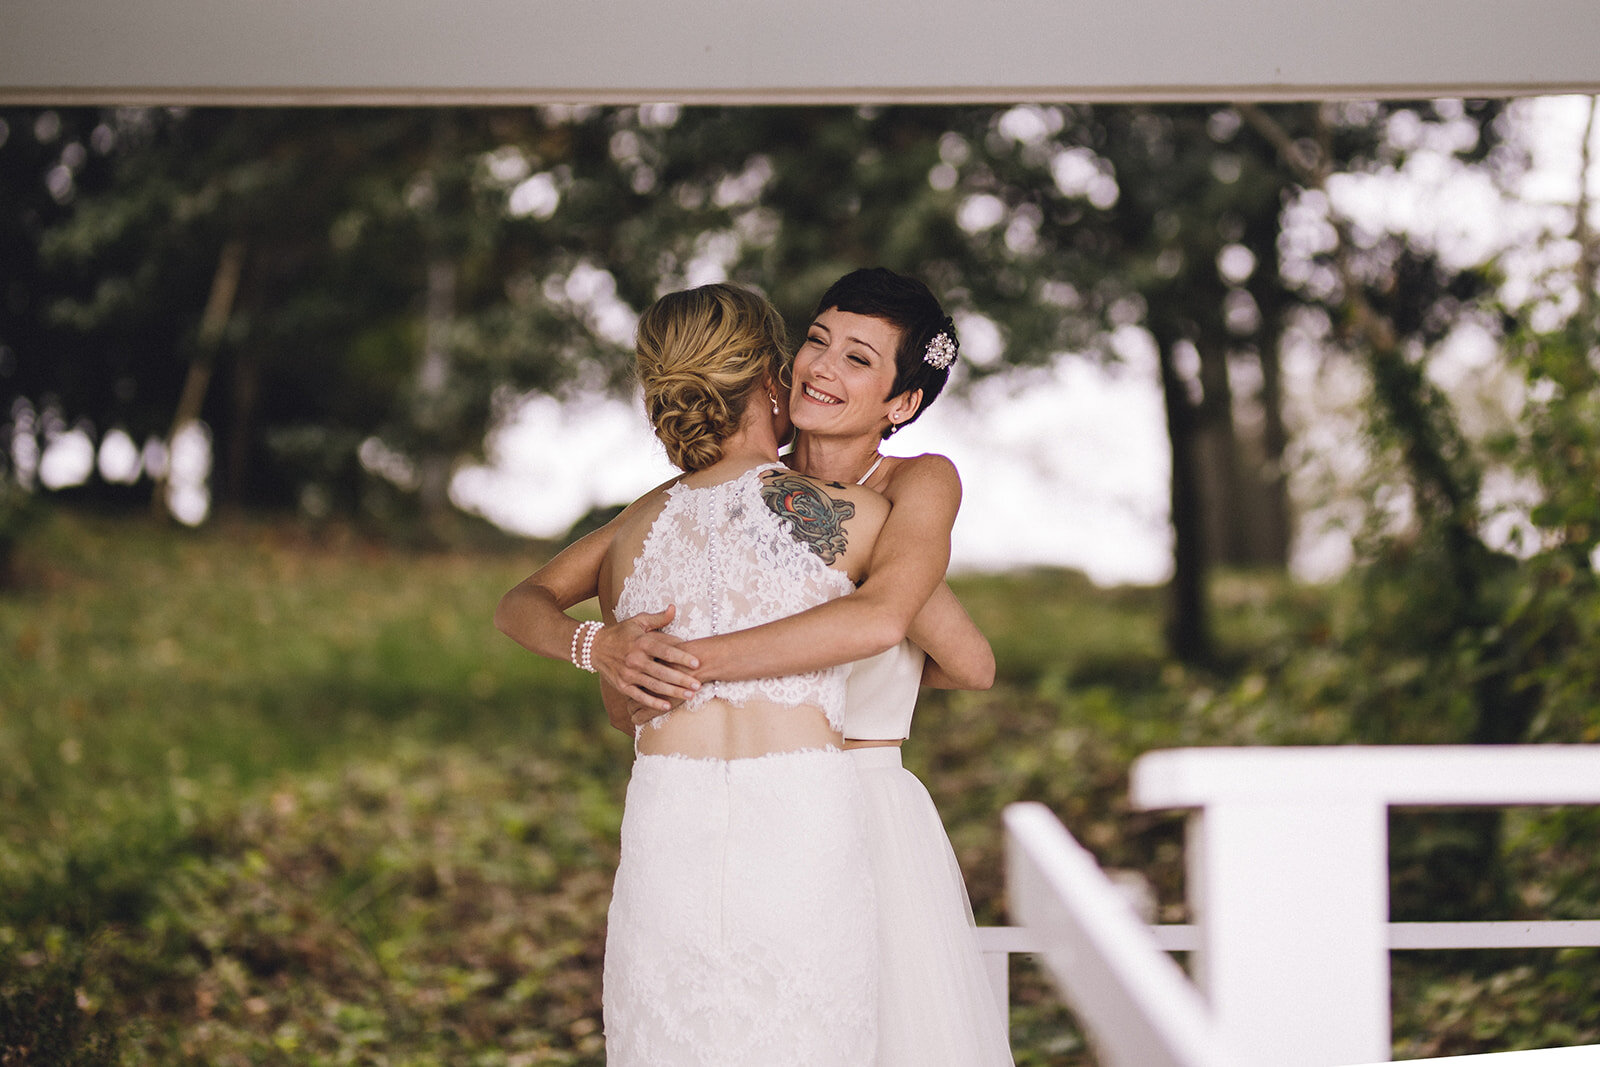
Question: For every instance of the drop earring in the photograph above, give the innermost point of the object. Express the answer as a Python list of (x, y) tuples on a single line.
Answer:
[(774, 403)]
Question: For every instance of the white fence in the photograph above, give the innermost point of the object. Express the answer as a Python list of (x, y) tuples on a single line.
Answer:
[(1288, 880)]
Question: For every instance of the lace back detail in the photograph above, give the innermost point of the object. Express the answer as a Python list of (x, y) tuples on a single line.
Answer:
[(728, 563)]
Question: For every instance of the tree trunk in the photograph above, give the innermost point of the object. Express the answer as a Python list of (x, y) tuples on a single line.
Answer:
[(246, 389), (213, 321), (1228, 504), (1276, 519), (1188, 624)]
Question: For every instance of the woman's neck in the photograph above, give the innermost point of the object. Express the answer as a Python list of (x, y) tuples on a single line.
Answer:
[(834, 459), (747, 447)]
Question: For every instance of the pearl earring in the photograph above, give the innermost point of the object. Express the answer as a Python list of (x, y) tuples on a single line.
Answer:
[(774, 403)]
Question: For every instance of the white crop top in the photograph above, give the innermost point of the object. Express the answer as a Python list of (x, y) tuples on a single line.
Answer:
[(729, 562), (881, 694)]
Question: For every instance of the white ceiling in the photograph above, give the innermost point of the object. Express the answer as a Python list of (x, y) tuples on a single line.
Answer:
[(787, 51)]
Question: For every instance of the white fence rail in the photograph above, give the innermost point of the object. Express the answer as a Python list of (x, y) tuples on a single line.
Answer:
[(1139, 1007), (1288, 880)]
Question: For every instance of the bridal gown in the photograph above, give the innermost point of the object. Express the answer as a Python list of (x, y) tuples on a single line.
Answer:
[(936, 1007), (742, 927)]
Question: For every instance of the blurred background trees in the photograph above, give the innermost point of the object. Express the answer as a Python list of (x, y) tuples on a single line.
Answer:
[(342, 303)]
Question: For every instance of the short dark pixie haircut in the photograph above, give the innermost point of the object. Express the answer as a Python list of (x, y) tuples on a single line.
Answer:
[(911, 308)]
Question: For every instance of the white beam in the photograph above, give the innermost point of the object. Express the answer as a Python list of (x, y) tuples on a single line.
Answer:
[(1395, 775), (787, 51)]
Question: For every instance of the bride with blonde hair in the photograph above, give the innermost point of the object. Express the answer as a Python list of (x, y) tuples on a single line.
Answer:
[(743, 916)]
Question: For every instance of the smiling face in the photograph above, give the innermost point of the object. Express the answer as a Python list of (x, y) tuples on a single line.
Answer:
[(843, 373)]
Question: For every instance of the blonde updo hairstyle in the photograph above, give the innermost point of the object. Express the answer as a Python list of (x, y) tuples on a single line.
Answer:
[(701, 354)]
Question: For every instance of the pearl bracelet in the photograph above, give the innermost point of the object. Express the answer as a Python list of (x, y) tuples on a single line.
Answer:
[(583, 645)]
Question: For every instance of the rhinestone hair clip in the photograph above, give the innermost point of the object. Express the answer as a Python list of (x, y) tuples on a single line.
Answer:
[(941, 352)]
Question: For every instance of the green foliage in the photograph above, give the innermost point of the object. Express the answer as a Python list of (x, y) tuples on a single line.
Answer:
[(1463, 635), (1545, 1002), (18, 511), (340, 216), (45, 1016), (1555, 612), (249, 767)]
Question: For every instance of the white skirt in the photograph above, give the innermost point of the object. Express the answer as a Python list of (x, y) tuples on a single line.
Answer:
[(742, 929), (936, 1005)]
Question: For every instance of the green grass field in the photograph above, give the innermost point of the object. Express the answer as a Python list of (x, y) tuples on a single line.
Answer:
[(269, 801)]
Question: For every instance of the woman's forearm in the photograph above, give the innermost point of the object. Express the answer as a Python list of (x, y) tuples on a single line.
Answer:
[(534, 612), (530, 616), (959, 656), (630, 655), (840, 631), (908, 564), (852, 628)]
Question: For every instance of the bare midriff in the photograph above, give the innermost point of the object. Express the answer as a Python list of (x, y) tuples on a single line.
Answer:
[(720, 730), (852, 742)]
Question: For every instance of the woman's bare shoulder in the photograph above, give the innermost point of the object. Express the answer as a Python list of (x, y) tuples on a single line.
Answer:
[(642, 513), (928, 472), (649, 501), (926, 462)]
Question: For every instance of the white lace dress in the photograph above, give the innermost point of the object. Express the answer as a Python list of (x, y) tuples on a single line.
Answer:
[(742, 929)]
